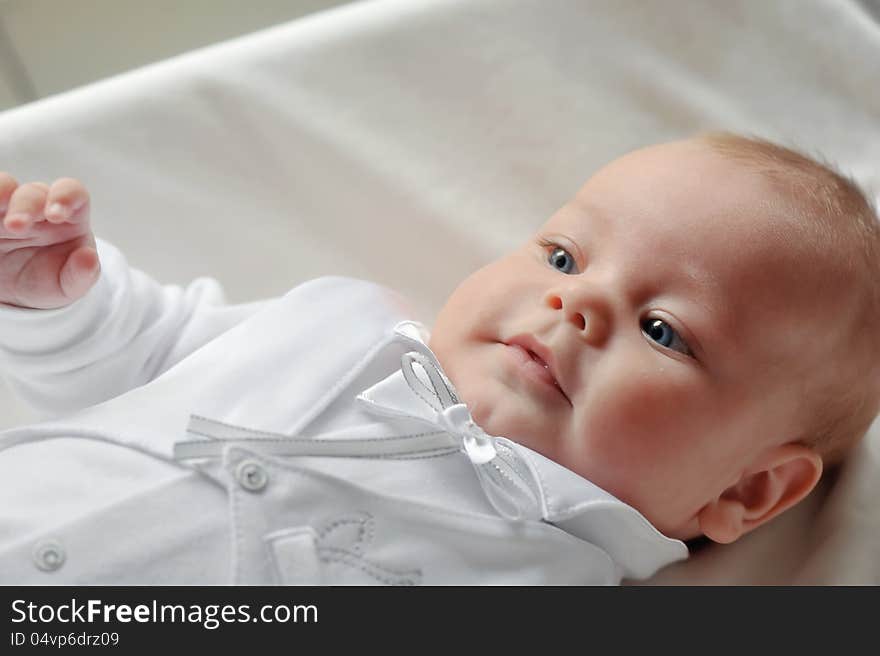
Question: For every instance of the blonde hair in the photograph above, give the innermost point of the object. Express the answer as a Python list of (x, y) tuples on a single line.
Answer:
[(840, 217)]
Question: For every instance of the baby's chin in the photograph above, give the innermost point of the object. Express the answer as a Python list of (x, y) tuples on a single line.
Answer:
[(499, 412), (494, 401)]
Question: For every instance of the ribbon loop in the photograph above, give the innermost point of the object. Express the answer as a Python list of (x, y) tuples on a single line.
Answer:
[(441, 394)]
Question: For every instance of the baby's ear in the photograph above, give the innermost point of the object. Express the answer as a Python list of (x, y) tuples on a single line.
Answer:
[(779, 478)]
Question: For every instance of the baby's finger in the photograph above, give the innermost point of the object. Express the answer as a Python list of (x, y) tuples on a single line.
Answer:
[(26, 206), (66, 201), (8, 184), (79, 272)]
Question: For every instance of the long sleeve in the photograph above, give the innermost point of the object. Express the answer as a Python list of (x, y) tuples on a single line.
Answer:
[(126, 331)]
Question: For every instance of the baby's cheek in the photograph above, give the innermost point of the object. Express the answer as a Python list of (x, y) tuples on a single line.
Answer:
[(640, 419), (635, 437)]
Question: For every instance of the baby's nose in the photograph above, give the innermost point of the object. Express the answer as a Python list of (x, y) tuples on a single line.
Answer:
[(588, 314)]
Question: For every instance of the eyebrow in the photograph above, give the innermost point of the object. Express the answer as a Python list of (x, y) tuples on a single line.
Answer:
[(594, 213), (711, 318)]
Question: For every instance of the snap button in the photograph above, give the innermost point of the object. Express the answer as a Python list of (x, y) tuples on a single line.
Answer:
[(48, 555), (251, 475)]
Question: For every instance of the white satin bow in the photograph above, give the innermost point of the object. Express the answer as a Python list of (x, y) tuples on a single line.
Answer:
[(506, 479)]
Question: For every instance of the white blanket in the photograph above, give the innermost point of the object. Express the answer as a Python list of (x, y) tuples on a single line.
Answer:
[(370, 139)]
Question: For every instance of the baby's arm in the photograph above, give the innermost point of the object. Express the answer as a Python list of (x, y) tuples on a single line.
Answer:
[(78, 326)]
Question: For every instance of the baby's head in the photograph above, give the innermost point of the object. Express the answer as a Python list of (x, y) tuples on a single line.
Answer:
[(708, 309)]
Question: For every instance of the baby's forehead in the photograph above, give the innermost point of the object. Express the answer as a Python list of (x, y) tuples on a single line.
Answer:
[(717, 233)]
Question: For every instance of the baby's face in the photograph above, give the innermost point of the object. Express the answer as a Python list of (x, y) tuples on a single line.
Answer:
[(671, 299)]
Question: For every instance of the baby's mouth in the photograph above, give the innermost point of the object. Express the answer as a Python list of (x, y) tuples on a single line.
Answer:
[(535, 364)]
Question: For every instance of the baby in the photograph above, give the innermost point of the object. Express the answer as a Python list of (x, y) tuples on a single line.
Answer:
[(704, 311), (692, 332)]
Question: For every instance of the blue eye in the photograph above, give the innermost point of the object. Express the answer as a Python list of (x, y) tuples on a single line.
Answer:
[(665, 335), (562, 260)]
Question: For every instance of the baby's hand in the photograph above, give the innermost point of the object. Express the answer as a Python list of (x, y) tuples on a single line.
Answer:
[(47, 250)]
